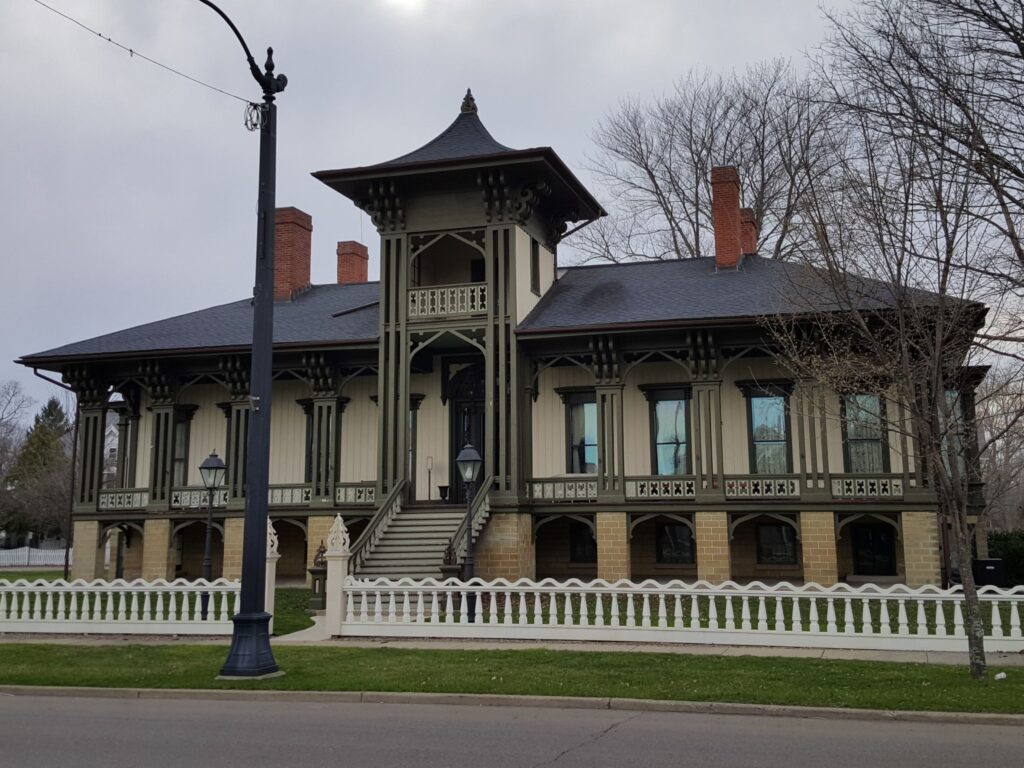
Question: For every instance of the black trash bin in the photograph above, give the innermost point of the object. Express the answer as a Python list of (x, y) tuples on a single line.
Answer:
[(989, 572)]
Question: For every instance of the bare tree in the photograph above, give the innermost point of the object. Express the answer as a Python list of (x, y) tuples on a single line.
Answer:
[(915, 246), (655, 161), (14, 405)]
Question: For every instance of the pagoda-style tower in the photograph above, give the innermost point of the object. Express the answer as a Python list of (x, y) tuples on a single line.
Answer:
[(469, 230)]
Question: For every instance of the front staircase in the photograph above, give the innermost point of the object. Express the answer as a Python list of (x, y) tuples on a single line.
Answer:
[(414, 542)]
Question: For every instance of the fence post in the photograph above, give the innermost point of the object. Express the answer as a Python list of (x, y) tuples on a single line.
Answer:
[(337, 557), (272, 557)]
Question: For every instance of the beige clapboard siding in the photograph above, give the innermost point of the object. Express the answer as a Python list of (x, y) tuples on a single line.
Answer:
[(526, 299), (432, 427), (144, 447), (209, 426), (288, 433), (451, 209), (359, 431)]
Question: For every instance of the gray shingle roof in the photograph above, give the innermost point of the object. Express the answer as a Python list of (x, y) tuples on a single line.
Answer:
[(465, 137), (310, 318), (682, 290)]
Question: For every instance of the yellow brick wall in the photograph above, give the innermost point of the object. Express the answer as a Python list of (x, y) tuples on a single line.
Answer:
[(818, 547), (504, 549), (234, 528), (613, 548), (87, 560), (713, 555), (157, 552), (921, 548)]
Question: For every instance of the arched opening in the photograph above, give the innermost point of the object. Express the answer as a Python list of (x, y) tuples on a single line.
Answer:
[(449, 260), (766, 547), (663, 547), (190, 544), (870, 548), (291, 546), (566, 547)]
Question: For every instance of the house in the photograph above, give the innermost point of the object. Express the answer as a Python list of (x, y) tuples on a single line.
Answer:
[(632, 420)]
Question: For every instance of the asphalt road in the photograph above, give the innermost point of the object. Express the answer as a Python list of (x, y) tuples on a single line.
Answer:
[(39, 732)]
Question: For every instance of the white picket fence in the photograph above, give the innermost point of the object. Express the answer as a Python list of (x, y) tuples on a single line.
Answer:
[(118, 607), (31, 557), (842, 616)]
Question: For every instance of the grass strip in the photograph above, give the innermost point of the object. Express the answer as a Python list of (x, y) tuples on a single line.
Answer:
[(809, 682)]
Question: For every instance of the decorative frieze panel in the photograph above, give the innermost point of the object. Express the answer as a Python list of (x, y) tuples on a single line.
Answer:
[(196, 498), (878, 486), (655, 488), (355, 493), (558, 490), (761, 487), (448, 300), (290, 494), (125, 498)]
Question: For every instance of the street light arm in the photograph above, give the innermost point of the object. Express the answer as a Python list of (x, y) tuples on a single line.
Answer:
[(267, 81)]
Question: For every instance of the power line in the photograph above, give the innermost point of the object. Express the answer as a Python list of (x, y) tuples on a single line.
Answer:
[(133, 53)]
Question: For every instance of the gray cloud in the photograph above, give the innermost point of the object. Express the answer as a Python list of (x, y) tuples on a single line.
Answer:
[(129, 194)]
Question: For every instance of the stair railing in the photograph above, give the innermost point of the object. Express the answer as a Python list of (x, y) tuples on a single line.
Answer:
[(480, 510), (374, 530)]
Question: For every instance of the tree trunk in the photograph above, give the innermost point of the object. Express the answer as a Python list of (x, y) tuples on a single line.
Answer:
[(975, 624)]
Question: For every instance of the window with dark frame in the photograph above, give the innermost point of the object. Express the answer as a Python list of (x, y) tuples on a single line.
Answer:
[(582, 544), (179, 450), (674, 544), (768, 430), (535, 266), (670, 425), (865, 449), (580, 431), (776, 544)]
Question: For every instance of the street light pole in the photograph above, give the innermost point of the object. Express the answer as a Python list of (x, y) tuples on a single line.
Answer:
[(250, 655), (212, 472)]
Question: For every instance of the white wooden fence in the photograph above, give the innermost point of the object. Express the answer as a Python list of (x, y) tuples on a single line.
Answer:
[(31, 557), (842, 616), (118, 607)]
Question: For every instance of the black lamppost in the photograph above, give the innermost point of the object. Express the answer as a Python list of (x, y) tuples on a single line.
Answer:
[(468, 462), (212, 470), (250, 655)]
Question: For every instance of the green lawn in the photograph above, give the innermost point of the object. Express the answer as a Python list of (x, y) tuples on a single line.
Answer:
[(291, 610), (47, 575), (808, 682)]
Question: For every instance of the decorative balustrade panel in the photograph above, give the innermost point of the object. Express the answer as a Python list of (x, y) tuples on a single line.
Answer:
[(563, 490), (866, 487), (285, 495), (355, 493), (761, 487), (119, 607), (123, 498), (448, 300), (865, 617), (656, 488), (197, 498)]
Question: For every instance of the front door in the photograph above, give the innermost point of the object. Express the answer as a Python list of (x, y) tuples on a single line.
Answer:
[(468, 412)]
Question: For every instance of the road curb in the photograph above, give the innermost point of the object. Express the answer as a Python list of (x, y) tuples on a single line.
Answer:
[(502, 700)]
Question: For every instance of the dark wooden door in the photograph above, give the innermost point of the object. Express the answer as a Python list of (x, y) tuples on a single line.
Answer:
[(468, 411)]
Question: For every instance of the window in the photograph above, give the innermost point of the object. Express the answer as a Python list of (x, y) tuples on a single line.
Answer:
[(674, 542), (954, 432), (582, 544), (776, 544), (581, 430), (535, 266), (179, 451), (874, 549), (670, 422), (864, 445), (768, 422)]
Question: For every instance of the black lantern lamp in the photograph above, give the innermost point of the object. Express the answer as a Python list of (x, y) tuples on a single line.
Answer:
[(469, 462), (212, 470)]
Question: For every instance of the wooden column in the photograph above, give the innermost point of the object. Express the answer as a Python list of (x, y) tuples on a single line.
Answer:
[(237, 413), (706, 431), (611, 480), (91, 435), (127, 445)]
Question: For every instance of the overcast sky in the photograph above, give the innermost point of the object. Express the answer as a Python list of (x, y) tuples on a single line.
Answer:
[(128, 194)]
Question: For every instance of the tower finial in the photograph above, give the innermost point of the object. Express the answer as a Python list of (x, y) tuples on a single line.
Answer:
[(469, 103)]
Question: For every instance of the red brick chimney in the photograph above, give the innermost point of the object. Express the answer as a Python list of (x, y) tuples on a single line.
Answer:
[(353, 259), (748, 231), (293, 236), (725, 216)]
